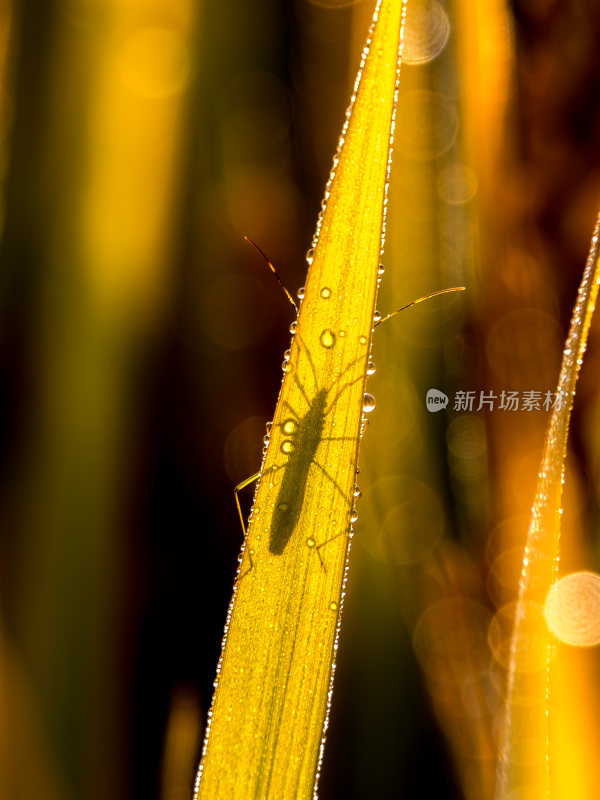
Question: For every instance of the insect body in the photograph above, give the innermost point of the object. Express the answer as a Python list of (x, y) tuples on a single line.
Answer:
[(306, 434), (303, 435)]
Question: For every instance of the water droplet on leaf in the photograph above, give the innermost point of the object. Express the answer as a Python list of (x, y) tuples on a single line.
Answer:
[(289, 426), (368, 403), (327, 338)]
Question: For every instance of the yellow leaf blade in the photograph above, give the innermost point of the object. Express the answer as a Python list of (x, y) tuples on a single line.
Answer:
[(525, 755), (271, 702)]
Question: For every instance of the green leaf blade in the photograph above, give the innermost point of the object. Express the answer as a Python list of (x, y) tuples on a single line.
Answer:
[(526, 752), (271, 702)]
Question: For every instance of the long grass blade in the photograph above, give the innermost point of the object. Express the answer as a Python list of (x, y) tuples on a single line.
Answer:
[(525, 756), (269, 714)]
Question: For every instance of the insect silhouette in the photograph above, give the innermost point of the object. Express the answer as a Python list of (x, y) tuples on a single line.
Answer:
[(304, 435)]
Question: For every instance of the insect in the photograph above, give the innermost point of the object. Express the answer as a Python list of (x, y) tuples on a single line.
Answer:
[(304, 435)]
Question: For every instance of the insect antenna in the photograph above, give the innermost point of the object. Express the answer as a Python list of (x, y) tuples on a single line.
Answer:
[(274, 271), (420, 300)]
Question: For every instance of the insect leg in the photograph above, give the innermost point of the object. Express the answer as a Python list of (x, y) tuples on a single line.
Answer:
[(420, 300), (310, 360), (333, 480), (340, 490), (340, 391), (274, 271), (302, 392), (327, 541), (236, 491), (291, 410)]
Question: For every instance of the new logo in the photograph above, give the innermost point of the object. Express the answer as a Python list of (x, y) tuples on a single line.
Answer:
[(436, 400)]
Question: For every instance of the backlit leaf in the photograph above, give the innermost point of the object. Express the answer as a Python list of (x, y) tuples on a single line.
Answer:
[(525, 756), (266, 727)]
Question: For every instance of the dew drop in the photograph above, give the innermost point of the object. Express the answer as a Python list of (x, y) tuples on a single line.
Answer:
[(286, 355), (371, 368), (357, 491), (342, 333), (289, 426), (333, 605), (327, 338), (362, 339), (376, 318), (283, 506), (354, 516), (284, 366), (266, 438), (287, 447), (368, 403), (300, 293), (381, 269), (269, 426), (310, 542), (293, 327), (310, 254), (325, 292)]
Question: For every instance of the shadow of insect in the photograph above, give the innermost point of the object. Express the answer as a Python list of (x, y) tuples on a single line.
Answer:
[(303, 435)]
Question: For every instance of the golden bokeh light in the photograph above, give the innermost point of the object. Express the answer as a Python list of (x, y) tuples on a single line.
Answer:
[(426, 32), (427, 125), (457, 184), (412, 527), (533, 651), (573, 609)]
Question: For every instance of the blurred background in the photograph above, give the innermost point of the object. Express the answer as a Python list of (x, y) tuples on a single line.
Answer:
[(140, 348)]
